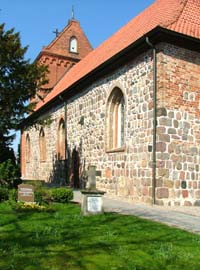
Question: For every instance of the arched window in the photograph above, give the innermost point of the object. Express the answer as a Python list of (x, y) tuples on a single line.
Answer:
[(115, 120), (61, 140), (28, 148), (42, 145), (73, 46)]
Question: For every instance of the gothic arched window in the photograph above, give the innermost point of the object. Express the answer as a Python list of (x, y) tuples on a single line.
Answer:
[(73, 45), (115, 120), (28, 148), (61, 140), (42, 145)]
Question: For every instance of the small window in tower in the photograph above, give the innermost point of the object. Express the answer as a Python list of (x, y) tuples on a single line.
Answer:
[(73, 45)]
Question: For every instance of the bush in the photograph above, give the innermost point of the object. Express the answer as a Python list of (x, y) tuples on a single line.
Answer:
[(62, 195), (36, 183), (4, 194), (12, 195), (16, 183), (9, 174), (43, 195)]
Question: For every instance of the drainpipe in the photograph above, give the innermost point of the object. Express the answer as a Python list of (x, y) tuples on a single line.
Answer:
[(154, 120), (65, 107), (66, 154), (66, 151), (65, 119)]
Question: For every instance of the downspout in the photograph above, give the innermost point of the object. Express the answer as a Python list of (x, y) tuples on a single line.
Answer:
[(154, 120), (66, 151), (65, 107), (65, 119)]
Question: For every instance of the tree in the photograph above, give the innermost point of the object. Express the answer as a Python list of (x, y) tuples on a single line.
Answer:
[(19, 80), (5, 151)]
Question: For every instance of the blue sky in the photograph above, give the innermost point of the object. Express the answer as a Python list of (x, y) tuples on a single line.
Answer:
[(37, 19)]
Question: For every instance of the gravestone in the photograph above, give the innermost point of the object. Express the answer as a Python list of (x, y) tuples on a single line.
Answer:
[(26, 193), (92, 203)]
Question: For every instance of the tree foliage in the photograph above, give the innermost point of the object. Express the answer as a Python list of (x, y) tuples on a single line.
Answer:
[(9, 174), (5, 151), (19, 80)]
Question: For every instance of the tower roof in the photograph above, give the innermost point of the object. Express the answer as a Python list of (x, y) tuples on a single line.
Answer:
[(181, 16)]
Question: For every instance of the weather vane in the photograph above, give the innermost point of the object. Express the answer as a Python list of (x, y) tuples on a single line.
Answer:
[(72, 17)]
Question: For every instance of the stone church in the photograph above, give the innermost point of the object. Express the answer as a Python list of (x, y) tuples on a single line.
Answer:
[(130, 107)]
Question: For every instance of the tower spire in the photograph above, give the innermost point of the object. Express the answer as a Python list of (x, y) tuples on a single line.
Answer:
[(72, 15)]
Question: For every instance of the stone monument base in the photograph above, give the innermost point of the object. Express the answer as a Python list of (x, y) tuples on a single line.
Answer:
[(92, 203)]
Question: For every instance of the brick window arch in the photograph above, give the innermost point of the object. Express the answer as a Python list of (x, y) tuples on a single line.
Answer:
[(42, 145), (61, 140), (115, 119), (73, 45), (28, 148)]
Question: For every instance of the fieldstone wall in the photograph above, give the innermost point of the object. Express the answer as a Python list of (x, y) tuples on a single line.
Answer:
[(50, 170), (125, 172), (128, 171)]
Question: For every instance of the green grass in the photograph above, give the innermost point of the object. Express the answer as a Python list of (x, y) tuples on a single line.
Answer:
[(65, 240)]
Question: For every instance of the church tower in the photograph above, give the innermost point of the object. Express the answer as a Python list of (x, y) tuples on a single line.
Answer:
[(68, 48)]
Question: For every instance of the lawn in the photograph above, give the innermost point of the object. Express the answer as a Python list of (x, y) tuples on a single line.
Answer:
[(65, 240)]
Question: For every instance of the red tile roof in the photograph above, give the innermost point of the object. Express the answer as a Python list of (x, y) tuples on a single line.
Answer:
[(181, 16)]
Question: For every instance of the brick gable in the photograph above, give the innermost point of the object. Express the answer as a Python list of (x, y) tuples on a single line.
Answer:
[(57, 55)]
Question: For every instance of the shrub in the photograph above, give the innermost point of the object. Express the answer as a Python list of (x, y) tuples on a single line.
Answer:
[(12, 195), (16, 182), (4, 194), (36, 183), (9, 173), (62, 195), (43, 195)]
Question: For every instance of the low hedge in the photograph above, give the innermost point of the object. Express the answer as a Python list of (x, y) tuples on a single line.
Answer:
[(43, 195), (62, 195), (13, 194), (47, 195), (36, 183), (4, 194)]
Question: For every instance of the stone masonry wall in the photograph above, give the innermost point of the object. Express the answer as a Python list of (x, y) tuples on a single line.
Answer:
[(128, 172), (49, 169)]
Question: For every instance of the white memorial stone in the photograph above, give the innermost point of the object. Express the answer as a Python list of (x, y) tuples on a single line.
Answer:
[(94, 204)]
